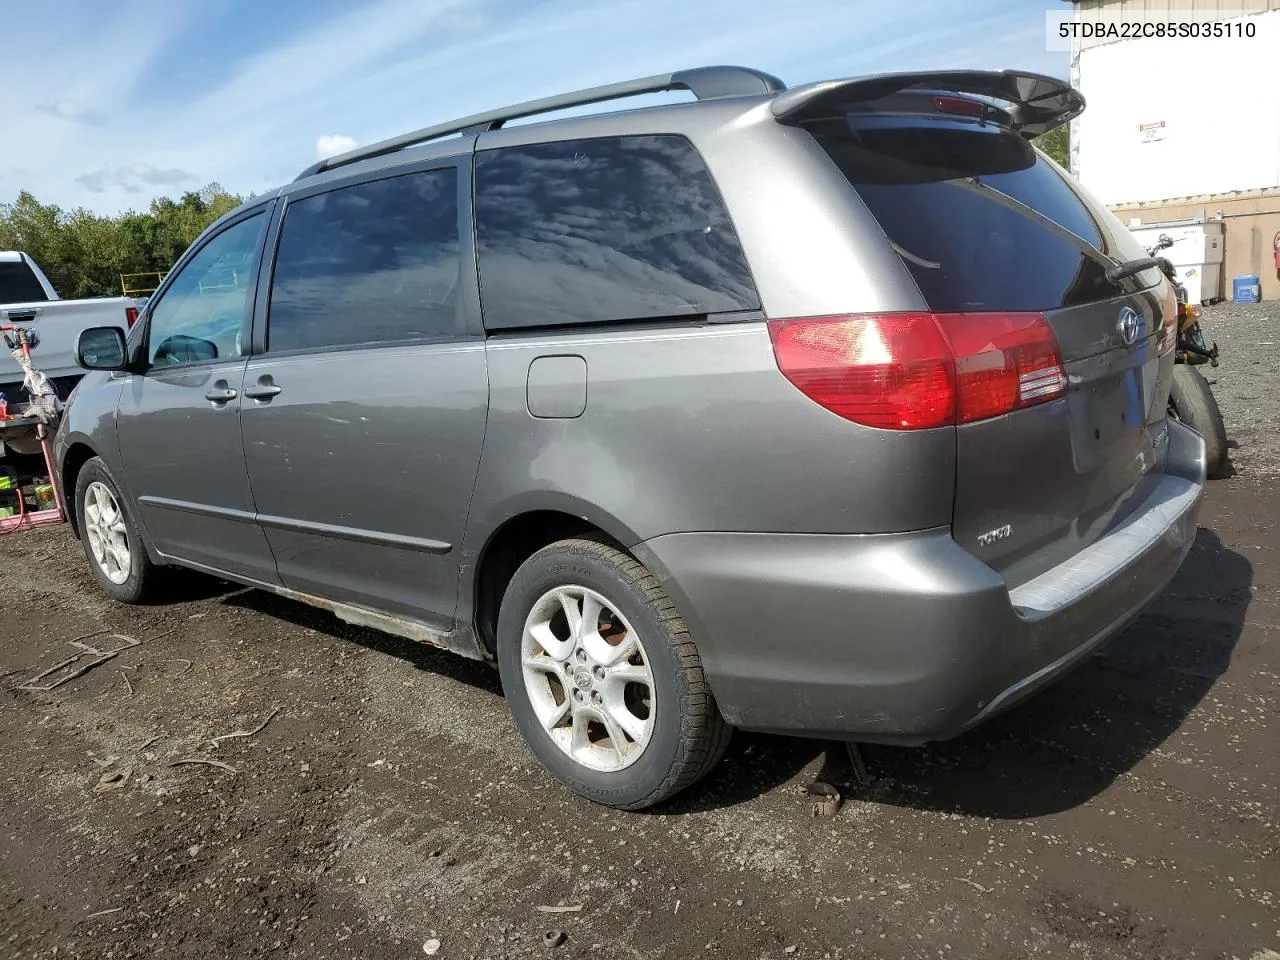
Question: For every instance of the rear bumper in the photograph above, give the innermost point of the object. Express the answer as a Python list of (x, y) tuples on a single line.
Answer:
[(906, 638)]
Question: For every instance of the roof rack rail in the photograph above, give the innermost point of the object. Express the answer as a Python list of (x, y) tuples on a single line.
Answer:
[(705, 83)]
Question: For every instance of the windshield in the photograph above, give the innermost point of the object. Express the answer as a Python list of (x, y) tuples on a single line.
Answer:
[(930, 185)]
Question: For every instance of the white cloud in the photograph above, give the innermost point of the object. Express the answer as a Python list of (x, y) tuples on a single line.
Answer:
[(331, 144), (132, 177), (71, 109)]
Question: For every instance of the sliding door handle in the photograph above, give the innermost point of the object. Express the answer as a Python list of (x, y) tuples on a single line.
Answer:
[(263, 390)]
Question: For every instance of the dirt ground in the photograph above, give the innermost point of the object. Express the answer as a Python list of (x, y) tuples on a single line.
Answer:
[(388, 806)]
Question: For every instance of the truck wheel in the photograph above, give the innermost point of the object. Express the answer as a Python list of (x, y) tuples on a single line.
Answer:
[(1192, 402), (603, 679), (110, 536)]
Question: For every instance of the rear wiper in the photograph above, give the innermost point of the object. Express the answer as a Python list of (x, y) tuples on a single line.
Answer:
[(1116, 270)]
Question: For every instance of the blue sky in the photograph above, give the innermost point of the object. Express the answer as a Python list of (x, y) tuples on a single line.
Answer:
[(132, 99)]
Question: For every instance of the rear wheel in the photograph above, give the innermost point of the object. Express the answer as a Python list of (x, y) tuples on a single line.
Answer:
[(603, 680), (110, 537), (1192, 402)]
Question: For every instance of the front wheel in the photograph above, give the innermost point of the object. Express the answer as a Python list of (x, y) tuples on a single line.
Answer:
[(110, 537), (1192, 402), (603, 679)]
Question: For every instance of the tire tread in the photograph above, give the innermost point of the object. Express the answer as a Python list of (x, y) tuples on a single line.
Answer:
[(1196, 406), (704, 734)]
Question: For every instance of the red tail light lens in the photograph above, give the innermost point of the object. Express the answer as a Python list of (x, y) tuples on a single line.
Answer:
[(907, 371), (889, 370), (131, 316), (1004, 361)]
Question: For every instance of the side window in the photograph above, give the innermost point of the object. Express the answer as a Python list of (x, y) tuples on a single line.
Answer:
[(202, 314), (616, 228), (371, 263)]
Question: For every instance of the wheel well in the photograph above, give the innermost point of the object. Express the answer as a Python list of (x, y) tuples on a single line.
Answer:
[(77, 456), (511, 545)]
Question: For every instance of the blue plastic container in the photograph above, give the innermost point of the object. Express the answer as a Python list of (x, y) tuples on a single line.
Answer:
[(1246, 289)]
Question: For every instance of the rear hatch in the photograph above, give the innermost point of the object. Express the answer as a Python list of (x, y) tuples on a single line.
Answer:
[(987, 227)]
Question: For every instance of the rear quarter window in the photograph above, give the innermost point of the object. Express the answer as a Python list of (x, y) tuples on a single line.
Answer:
[(18, 283), (605, 229), (966, 251)]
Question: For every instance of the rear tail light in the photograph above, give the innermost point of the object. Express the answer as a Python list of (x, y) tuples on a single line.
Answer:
[(890, 370), (910, 371), (131, 316), (1004, 361)]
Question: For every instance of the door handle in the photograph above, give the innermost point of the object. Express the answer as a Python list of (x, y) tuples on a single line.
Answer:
[(264, 390), (220, 393)]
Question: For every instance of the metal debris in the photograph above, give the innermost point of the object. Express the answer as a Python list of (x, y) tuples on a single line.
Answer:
[(572, 908), (115, 780), (246, 733), (825, 799), (859, 768), (96, 656), (554, 938), (185, 670), (207, 763)]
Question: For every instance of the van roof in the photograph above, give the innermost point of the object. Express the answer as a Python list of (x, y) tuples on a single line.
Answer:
[(1033, 103)]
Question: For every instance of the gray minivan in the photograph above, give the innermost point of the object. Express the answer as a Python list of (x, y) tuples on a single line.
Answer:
[(835, 411)]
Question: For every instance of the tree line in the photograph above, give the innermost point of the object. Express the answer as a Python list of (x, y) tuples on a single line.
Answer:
[(83, 253)]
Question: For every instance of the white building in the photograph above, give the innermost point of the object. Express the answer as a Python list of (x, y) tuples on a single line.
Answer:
[(1186, 128)]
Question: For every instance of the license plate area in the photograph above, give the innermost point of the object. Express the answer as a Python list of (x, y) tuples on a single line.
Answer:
[(1104, 414)]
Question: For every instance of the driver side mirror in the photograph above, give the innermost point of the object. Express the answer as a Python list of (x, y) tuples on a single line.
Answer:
[(101, 348)]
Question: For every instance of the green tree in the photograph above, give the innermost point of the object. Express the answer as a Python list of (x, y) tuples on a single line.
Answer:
[(1057, 144), (83, 253)]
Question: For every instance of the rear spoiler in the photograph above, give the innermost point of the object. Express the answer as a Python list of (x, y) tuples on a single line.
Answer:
[(1035, 103)]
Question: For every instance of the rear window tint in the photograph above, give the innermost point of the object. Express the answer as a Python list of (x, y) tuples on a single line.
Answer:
[(18, 284), (966, 251), (609, 229)]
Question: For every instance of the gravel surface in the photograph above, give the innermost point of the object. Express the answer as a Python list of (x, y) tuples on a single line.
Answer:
[(388, 809), (1246, 381)]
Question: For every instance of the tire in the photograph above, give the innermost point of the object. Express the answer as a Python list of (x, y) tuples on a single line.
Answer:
[(670, 732), (1193, 403), (124, 570)]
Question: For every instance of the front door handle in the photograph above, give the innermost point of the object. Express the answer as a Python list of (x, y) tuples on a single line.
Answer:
[(220, 394), (264, 390)]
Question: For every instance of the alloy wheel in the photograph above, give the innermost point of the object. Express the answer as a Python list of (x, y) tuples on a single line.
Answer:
[(108, 536), (588, 678)]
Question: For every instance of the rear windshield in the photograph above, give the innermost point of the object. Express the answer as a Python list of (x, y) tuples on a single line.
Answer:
[(924, 179), (18, 284)]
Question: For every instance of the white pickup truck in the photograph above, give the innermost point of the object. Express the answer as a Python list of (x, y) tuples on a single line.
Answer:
[(27, 299)]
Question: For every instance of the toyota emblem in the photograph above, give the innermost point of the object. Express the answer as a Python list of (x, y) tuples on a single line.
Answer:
[(1129, 325)]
